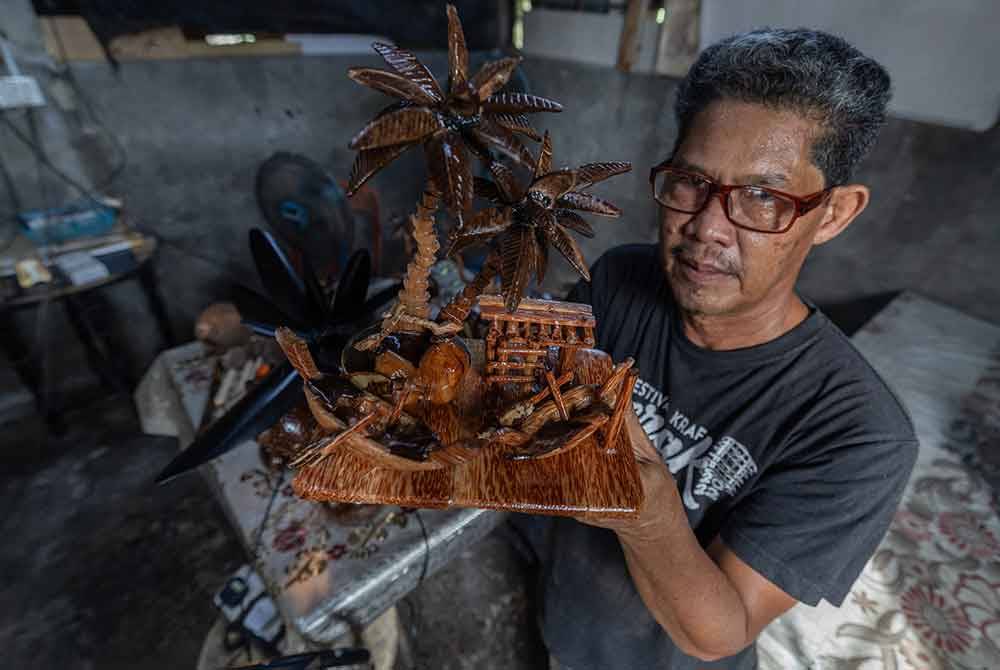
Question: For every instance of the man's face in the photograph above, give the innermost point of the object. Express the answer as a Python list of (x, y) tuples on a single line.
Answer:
[(716, 268)]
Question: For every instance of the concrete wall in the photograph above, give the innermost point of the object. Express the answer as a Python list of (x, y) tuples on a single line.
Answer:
[(942, 55), (195, 132)]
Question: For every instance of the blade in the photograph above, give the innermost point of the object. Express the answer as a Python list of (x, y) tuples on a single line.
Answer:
[(403, 126), (349, 300), (544, 163), (281, 282), (566, 245), (493, 76), (451, 172), (588, 203), (392, 84), (517, 122), (481, 228), (504, 141), (258, 410), (573, 221), (591, 173), (519, 103), (408, 65), (506, 182), (541, 256), (369, 161), (484, 188), (255, 308), (458, 54), (516, 261)]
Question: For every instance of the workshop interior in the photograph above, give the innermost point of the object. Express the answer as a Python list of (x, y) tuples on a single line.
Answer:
[(287, 340)]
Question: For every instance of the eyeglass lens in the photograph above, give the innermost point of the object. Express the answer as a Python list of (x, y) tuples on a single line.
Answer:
[(747, 206)]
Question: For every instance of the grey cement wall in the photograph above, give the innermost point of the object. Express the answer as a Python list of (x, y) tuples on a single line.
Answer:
[(195, 132)]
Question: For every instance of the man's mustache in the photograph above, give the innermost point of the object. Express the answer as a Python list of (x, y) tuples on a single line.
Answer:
[(701, 256)]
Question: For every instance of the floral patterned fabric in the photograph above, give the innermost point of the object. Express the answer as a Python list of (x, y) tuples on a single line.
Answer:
[(929, 599)]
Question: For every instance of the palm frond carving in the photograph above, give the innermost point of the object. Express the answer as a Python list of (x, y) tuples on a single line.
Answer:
[(524, 222), (474, 117)]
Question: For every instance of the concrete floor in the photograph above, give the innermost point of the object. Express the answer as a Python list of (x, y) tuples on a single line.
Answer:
[(102, 570)]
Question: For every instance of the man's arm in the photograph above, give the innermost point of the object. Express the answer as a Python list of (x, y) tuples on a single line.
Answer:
[(711, 603)]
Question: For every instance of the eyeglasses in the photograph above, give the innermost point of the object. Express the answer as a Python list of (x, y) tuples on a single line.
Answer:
[(756, 208)]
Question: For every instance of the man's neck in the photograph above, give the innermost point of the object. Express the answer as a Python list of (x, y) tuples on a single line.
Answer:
[(724, 332)]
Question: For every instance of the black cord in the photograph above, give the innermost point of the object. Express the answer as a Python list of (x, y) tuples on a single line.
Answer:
[(43, 159), (67, 74), (427, 548)]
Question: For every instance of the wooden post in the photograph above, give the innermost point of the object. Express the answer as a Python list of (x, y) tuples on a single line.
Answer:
[(677, 45), (628, 44)]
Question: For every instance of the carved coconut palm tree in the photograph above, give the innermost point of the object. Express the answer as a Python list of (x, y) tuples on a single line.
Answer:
[(472, 117), (524, 222)]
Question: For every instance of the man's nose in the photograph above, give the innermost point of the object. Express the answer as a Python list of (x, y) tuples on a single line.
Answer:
[(711, 224)]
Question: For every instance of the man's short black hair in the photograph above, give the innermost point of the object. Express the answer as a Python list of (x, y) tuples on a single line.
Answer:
[(807, 71)]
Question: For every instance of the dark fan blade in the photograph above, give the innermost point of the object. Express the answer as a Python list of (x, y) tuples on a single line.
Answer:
[(283, 284), (258, 410), (348, 303), (257, 309), (318, 304)]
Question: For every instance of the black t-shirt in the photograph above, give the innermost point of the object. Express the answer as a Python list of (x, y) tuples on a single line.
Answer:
[(795, 451)]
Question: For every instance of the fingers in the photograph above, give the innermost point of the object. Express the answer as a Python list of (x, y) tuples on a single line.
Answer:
[(642, 446)]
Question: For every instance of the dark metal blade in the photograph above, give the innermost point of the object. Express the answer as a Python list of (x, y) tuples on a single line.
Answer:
[(258, 410), (257, 309), (281, 281), (348, 303)]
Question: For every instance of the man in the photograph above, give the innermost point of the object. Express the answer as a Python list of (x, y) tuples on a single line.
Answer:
[(772, 456)]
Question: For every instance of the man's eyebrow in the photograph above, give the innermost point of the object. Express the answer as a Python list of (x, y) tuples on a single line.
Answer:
[(765, 179), (755, 179)]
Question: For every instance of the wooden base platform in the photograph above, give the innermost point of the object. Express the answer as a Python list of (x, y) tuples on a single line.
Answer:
[(587, 480)]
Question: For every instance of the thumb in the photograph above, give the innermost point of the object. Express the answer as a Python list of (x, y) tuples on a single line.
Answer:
[(642, 446)]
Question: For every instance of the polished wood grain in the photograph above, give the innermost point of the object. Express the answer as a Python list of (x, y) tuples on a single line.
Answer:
[(587, 480)]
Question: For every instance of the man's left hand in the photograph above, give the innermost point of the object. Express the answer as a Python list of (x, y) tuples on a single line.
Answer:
[(661, 500)]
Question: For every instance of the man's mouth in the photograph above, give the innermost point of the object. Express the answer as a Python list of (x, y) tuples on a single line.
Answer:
[(702, 271)]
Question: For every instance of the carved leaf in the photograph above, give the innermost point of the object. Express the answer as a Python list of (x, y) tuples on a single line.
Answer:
[(369, 161), (517, 122), (544, 162), (574, 222), (403, 126), (503, 140), (484, 188), (493, 76), (477, 147), (408, 65), (591, 173), (507, 184), (481, 228), (566, 245), (392, 84), (516, 263), (541, 255), (458, 54), (588, 203), (297, 352), (450, 172), (552, 186), (519, 103)]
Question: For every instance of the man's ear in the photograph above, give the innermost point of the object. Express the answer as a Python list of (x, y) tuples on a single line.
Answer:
[(844, 205)]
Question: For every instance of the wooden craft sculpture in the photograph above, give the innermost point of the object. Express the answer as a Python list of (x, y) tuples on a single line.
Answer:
[(412, 395)]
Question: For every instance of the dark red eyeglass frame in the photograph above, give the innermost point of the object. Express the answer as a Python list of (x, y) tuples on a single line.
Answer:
[(803, 204)]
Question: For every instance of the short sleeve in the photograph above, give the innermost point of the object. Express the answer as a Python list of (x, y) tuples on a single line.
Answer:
[(811, 527)]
